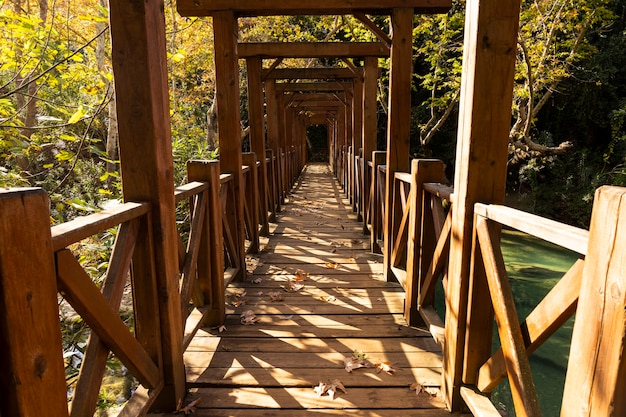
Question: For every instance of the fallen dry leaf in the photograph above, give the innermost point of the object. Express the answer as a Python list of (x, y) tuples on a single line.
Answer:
[(239, 299), (301, 275), (256, 280), (421, 389), (275, 296), (331, 265), (189, 408), (329, 387), (222, 328), (328, 298), (248, 317), (353, 363), (385, 366), (293, 286)]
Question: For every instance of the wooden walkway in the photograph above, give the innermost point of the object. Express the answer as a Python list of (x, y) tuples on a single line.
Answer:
[(301, 336)]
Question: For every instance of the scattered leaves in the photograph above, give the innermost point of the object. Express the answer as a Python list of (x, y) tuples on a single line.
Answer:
[(189, 408), (275, 296), (331, 265), (256, 280), (248, 317), (328, 298), (329, 387)]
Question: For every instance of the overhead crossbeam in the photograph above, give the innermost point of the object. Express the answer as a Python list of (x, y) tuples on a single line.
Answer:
[(314, 87), (312, 49), (242, 8), (309, 74)]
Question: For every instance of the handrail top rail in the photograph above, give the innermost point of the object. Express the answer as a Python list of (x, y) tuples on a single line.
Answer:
[(564, 235), (189, 190), (80, 228), (440, 190), (225, 177), (402, 176)]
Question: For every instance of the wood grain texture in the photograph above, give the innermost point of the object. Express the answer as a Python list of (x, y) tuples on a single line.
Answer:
[(30, 339), (596, 378)]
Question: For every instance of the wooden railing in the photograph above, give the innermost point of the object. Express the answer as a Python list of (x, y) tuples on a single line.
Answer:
[(420, 244), (36, 260)]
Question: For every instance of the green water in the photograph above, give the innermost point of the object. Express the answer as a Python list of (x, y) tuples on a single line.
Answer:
[(534, 267)]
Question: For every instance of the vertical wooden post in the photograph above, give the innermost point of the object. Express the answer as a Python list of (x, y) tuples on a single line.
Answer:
[(257, 133), (341, 146), (398, 126), (211, 261), (272, 179), (282, 143), (252, 200), (141, 87), (484, 121), (357, 139), (378, 158), (32, 378), (273, 137), (596, 372), (229, 121), (421, 238), (369, 127)]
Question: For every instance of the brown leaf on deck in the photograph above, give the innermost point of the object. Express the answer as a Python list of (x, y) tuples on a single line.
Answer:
[(275, 296), (330, 387), (301, 275), (189, 408), (248, 317), (385, 366)]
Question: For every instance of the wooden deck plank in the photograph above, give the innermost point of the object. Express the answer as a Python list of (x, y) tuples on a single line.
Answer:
[(305, 398), (345, 307)]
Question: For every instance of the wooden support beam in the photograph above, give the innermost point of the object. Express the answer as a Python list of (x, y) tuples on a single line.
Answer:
[(312, 49), (307, 7), (308, 74), (229, 121), (398, 124), (257, 132), (32, 378), (141, 88), (484, 122), (596, 371), (309, 87), (380, 34)]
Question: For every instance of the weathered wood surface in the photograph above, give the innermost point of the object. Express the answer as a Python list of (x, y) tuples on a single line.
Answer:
[(271, 367)]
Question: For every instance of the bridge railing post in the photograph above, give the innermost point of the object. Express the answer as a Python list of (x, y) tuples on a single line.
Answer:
[(210, 267), (596, 372), (32, 380), (421, 234)]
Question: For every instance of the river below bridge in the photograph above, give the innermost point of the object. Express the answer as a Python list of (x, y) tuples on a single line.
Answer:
[(534, 266)]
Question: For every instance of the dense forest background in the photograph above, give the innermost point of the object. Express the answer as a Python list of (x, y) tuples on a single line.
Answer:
[(568, 120)]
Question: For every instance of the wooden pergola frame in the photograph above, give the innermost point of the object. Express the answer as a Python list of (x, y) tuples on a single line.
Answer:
[(138, 42)]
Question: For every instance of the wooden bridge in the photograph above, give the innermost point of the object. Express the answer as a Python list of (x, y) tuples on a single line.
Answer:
[(348, 276)]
